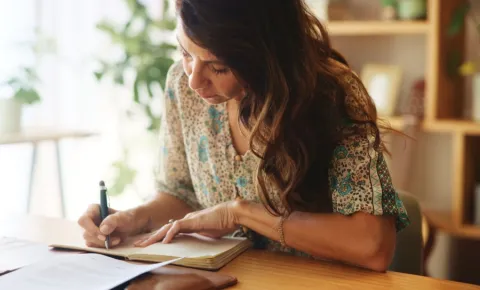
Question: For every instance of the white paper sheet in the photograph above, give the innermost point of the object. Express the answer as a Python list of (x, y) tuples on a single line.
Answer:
[(83, 271), (16, 253)]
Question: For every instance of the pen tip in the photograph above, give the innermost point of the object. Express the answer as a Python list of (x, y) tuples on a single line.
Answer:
[(102, 183)]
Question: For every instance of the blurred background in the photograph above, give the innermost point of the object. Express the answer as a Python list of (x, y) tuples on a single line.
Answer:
[(80, 80), (85, 73)]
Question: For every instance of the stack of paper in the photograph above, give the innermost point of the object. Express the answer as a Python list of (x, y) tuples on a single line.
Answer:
[(16, 253), (81, 271)]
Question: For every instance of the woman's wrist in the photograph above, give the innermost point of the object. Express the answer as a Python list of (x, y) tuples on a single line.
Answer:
[(142, 218), (239, 209), (255, 217)]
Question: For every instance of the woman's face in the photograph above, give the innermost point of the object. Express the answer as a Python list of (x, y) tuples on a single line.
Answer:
[(211, 79)]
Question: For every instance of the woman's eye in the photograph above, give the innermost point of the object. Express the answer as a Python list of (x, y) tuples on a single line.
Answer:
[(219, 71), (184, 53)]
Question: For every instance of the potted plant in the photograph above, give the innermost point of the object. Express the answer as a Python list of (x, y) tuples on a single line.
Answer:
[(18, 91), (404, 9), (412, 9), (149, 59), (389, 9), (471, 67)]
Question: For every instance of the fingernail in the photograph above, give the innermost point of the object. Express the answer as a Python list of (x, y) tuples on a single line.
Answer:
[(101, 237), (138, 242), (115, 241), (104, 229)]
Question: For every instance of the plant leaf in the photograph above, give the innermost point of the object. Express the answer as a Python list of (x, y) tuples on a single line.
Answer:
[(167, 24), (14, 81), (106, 27), (118, 79), (389, 2), (136, 85), (166, 6), (458, 19), (454, 60), (98, 75), (27, 96), (149, 87), (124, 176), (163, 64), (154, 124), (30, 74), (132, 5)]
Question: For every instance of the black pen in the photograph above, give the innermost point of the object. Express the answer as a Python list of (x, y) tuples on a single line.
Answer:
[(104, 208)]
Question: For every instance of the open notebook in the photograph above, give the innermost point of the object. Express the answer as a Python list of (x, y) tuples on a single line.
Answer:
[(196, 251)]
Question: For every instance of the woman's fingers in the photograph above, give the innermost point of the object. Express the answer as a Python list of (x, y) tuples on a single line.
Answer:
[(173, 231), (89, 218), (153, 238), (168, 232), (181, 226), (95, 241)]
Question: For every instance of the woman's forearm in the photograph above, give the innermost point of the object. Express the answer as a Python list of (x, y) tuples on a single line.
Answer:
[(156, 212), (361, 239)]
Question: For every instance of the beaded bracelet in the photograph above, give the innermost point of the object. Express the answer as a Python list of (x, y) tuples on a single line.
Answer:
[(280, 231)]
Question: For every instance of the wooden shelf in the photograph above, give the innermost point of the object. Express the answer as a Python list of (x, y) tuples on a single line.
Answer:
[(377, 27), (465, 127), (451, 126), (443, 221)]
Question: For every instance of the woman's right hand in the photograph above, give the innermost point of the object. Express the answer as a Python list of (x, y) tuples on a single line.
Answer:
[(118, 224)]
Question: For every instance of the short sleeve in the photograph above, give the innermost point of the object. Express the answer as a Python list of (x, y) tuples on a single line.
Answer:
[(172, 172), (360, 180)]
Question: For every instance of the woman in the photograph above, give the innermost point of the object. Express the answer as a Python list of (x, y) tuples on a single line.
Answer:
[(265, 128)]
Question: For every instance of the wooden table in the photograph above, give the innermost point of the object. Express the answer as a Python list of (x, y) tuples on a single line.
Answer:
[(253, 269), (36, 136)]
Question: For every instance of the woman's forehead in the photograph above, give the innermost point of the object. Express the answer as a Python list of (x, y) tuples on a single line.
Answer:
[(191, 47)]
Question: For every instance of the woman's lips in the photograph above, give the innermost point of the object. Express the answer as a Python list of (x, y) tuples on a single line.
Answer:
[(206, 96)]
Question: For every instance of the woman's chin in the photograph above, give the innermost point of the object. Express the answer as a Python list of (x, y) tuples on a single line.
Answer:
[(214, 100)]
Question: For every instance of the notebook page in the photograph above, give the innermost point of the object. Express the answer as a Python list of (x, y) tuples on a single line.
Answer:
[(85, 271), (190, 246), (125, 249)]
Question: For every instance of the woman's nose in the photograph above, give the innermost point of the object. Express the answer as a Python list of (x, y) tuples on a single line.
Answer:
[(197, 79)]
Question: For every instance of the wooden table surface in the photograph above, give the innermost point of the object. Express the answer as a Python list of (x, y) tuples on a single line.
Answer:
[(254, 269)]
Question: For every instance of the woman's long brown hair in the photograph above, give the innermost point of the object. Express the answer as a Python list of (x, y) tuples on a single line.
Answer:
[(297, 102)]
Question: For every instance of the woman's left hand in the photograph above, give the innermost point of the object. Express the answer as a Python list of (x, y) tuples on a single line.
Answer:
[(213, 222)]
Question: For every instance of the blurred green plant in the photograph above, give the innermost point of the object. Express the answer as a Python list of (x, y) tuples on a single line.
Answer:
[(23, 83), (148, 58), (23, 86), (389, 3), (455, 65)]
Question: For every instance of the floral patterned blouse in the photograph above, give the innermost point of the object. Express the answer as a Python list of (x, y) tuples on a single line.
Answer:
[(198, 164)]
